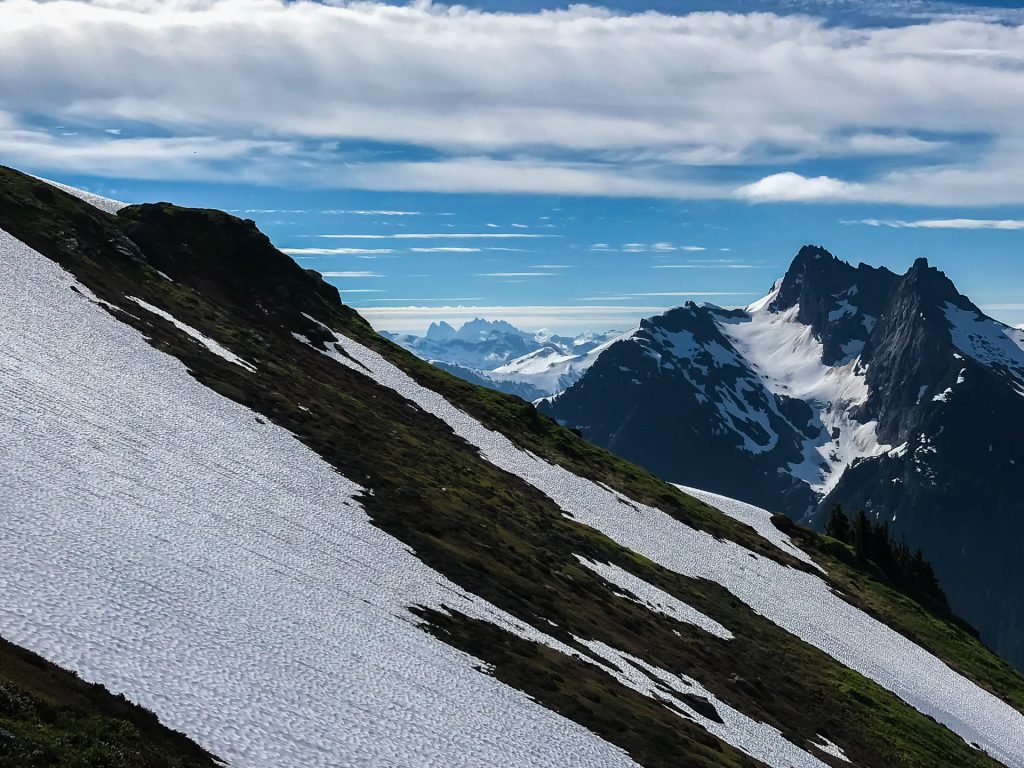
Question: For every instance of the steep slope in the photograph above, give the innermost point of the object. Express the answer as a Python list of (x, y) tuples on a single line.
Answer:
[(946, 387), (843, 385), (308, 547)]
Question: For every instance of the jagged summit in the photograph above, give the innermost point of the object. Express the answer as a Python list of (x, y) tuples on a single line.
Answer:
[(844, 384), (441, 331)]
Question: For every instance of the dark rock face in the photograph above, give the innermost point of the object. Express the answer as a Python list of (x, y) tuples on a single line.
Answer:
[(840, 303), (940, 383), (677, 398)]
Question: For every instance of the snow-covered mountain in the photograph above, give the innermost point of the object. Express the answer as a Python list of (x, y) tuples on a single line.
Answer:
[(228, 499), (844, 384), (497, 355)]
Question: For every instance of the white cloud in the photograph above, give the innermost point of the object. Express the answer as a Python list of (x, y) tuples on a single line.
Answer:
[(515, 274), (332, 251), (445, 249), (437, 236), (351, 274), (943, 223), (664, 294), (647, 100), (708, 265), (792, 187), (373, 212), (693, 248)]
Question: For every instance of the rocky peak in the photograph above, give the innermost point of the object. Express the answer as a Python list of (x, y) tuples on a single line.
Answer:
[(440, 331), (911, 348), (840, 302)]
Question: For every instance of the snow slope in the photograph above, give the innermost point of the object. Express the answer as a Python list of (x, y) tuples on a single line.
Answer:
[(797, 601), (97, 201), (758, 519), (788, 357), (162, 539), (213, 346), (986, 340)]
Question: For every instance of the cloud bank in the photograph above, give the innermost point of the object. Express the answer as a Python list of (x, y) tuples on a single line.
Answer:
[(581, 101)]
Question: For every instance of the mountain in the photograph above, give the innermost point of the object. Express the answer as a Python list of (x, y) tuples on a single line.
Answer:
[(229, 500), (497, 355), (844, 385)]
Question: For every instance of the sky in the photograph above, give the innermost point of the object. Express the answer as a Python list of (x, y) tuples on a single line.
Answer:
[(560, 166)]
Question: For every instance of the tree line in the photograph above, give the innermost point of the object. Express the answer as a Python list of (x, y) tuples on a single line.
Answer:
[(872, 542)]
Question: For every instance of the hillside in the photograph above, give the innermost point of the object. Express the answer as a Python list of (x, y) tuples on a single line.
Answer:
[(299, 544), (844, 385)]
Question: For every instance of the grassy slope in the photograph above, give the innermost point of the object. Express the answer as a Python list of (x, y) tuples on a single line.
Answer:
[(50, 717), (484, 529)]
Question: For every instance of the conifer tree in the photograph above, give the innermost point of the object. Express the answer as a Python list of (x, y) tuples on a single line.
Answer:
[(838, 526)]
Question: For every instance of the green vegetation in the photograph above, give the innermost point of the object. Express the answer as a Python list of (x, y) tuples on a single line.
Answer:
[(50, 717), (484, 529), (872, 543)]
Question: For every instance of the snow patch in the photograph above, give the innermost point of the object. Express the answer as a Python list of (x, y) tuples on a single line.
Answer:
[(845, 309), (759, 740), (758, 519), (788, 357), (105, 204), (829, 748), (986, 340), (216, 348), (899, 451), (656, 599)]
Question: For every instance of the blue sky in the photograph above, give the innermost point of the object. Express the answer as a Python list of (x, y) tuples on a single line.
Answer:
[(569, 168)]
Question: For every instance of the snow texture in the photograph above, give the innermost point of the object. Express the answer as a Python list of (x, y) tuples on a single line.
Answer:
[(158, 538), (988, 341), (218, 349), (105, 204), (656, 599), (797, 601), (788, 357), (759, 740), (757, 518), (829, 748)]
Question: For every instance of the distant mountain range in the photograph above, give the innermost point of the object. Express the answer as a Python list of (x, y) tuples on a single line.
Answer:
[(497, 355)]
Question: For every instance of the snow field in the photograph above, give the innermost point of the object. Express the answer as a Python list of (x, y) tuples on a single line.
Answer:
[(797, 601), (155, 537)]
